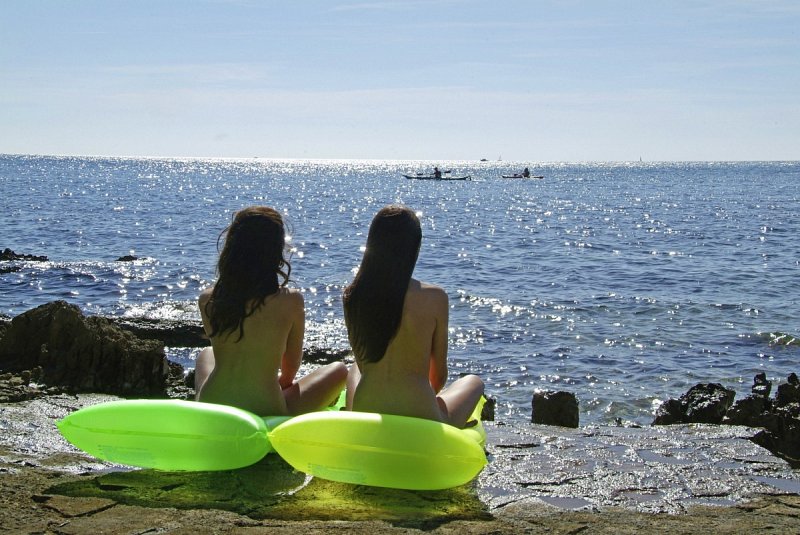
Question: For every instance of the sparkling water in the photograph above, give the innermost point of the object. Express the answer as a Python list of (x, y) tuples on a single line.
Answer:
[(625, 283)]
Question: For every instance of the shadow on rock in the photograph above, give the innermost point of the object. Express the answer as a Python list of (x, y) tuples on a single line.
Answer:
[(271, 489)]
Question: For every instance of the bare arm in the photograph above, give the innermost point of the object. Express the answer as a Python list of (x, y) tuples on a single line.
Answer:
[(290, 363), (438, 367)]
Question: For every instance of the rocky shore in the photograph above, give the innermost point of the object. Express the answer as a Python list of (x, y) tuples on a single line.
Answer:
[(705, 465)]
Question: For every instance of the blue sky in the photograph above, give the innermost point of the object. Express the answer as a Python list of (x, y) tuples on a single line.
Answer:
[(458, 79)]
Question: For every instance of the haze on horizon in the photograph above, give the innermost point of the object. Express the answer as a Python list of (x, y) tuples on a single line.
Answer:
[(424, 80)]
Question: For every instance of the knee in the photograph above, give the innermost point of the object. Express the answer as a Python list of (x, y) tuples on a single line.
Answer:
[(475, 383), (338, 370)]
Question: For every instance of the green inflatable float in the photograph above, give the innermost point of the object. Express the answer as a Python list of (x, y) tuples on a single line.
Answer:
[(382, 450), (351, 447), (170, 434)]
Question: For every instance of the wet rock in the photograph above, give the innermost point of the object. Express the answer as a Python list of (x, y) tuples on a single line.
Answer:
[(5, 321), (8, 254), (704, 403), (170, 333), (779, 418), (83, 354), (761, 386), (670, 412), (554, 408), (748, 411), (487, 413), (127, 258), (24, 386), (788, 392)]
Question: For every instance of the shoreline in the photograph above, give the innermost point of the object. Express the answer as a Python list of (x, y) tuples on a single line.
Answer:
[(681, 478)]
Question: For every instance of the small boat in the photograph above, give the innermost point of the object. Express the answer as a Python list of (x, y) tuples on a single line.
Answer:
[(517, 175), (433, 177)]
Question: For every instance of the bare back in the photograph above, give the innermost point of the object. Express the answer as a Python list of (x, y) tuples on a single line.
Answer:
[(414, 368), (245, 371)]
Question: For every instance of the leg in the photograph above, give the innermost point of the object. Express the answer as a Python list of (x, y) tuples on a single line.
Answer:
[(353, 377), (316, 390), (203, 367), (458, 400)]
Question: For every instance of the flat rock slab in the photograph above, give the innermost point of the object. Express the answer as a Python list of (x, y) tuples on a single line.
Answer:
[(532, 468), (653, 469)]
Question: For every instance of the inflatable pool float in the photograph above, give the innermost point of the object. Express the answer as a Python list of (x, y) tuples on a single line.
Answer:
[(170, 434), (382, 450)]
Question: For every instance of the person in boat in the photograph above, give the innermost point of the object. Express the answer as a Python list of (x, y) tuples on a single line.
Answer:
[(397, 327), (526, 173), (437, 173), (256, 326)]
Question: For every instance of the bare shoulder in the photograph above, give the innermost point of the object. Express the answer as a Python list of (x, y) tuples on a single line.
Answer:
[(430, 293), (205, 295), (290, 296)]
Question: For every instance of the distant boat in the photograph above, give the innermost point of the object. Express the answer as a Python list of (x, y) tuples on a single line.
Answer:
[(420, 176), (517, 175)]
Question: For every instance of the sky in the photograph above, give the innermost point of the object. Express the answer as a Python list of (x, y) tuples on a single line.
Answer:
[(533, 81)]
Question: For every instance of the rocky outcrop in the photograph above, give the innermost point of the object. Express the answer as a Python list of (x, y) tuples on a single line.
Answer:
[(704, 403), (170, 333), (554, 408), (779, 418), (83, 354), (8, 254)]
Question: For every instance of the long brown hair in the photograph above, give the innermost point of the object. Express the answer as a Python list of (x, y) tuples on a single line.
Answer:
[(373, 303), (248, 268)]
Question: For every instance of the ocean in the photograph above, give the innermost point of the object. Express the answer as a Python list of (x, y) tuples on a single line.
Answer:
[(625, 283)]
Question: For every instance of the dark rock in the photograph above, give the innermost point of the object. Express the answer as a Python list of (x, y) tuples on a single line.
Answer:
[(23, 386), (321, 355), (554, 408), (707, 403), (127, 258), (788, 392), (670, 412), (170, 333), (781, 434), (83, 354), (748, 411), (761, 385), (5, 322), (704, 403), (8, 254), (487, 413), (9, 269)]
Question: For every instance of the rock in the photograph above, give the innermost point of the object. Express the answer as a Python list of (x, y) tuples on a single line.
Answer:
[(670, 412), (761, 386), (788, 392), (781, 434), (8, 254), (554, 408), (704, 403), (748, 411), (707, 403), (170, 333), (5, 322), (487, 413), (127, 258), (83, 354)]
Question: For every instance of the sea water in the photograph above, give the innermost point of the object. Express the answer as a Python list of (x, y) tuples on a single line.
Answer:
[(624, 283)]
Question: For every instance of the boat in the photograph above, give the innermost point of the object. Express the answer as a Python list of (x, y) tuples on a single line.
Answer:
[(517, 175), (420, 176)]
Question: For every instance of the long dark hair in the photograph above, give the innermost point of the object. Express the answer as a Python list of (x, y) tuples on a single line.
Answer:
[(373, 303), (248, 268)]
